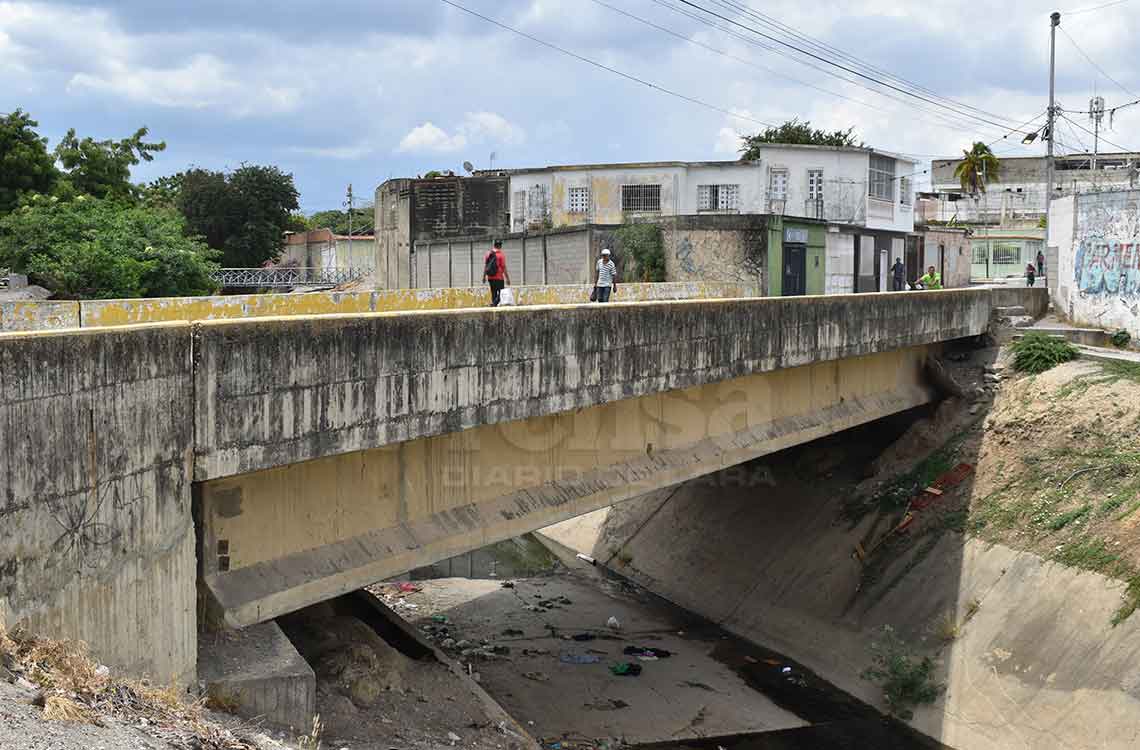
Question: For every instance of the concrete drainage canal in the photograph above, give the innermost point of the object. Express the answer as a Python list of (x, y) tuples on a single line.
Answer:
[(552, 650)]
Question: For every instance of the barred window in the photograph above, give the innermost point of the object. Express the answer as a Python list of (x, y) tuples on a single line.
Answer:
[(980, 254), (1007, 255), (881, 178), (718, 197), (640, 198), (579, 200), (815, 184)]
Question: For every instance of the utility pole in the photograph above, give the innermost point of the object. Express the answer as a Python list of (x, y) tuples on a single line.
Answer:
[(1054, 22)]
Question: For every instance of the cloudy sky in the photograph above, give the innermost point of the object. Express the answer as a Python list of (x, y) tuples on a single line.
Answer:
[(358, 91)]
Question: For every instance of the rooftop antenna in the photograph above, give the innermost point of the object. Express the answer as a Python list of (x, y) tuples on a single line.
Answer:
[(469, 167), (1096, 115)]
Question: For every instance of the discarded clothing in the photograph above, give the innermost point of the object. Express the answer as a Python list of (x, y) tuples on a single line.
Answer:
[(626, 669), (645, 652)]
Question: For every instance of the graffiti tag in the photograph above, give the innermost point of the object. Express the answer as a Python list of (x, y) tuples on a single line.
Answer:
[(1106, 267)]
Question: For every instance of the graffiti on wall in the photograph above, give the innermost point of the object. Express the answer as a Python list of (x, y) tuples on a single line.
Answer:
[(1107, 261), (1106, 267)]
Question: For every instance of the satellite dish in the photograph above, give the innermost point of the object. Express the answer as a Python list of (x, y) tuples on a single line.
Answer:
[(468, 166)]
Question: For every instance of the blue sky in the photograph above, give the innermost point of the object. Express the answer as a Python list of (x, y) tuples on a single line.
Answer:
[(361, 90)]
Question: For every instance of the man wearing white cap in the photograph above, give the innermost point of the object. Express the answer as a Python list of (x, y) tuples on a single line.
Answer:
[(607, 276)]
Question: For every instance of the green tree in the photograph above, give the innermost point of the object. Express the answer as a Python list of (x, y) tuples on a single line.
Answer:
[(244, 214), (100, 248), (337, 221), (26, 166), (978, 165), (644, 245), (796, 132), (103, 168)]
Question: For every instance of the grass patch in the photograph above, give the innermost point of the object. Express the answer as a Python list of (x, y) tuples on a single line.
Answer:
[(1035, 353), (1067, 518), (947, 628), (907, 680)]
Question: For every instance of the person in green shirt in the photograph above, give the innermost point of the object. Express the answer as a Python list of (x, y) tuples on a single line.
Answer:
[(931, 279)]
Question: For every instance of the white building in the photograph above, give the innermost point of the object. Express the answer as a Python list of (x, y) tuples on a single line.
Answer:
[(860, 202), (849, 186)]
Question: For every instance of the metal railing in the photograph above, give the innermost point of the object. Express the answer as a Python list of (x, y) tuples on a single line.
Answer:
[(276, 278)]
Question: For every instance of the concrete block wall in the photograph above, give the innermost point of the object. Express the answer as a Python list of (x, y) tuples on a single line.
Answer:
[(97, 542)]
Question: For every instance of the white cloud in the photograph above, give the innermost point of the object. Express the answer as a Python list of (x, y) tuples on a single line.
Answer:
[(428, 138), (490, 127), (476, 128)]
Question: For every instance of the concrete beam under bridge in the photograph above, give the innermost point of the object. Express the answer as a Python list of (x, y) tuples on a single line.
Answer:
[(284, 538)]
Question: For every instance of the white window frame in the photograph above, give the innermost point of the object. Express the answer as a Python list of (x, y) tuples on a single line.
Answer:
[(518, 210), (881, 178), (782, 194), (641, 198), (905, 197), (721, 197), (815, 185)]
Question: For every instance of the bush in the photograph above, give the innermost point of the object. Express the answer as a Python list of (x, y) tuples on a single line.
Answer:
[(91, 248), (1037, 352), (907, 681), (1121, 339), (645, 246)]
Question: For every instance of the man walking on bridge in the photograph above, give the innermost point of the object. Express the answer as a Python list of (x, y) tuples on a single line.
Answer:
[(607, 276), (495, 271)]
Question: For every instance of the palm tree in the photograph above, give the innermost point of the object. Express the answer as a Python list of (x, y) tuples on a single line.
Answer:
[(978, 165)]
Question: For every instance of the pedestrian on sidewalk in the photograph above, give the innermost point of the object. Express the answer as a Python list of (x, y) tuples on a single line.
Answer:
[(898, 275), (495, 271), (1030, 274), (607, 276), (1040, 263)]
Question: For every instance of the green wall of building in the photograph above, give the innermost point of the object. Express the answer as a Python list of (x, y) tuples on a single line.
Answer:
[(816, 255)]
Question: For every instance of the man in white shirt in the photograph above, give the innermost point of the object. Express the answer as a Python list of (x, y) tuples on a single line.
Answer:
[(607, 276)]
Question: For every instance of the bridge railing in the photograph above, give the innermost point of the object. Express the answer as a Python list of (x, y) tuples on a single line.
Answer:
[(277, 278)]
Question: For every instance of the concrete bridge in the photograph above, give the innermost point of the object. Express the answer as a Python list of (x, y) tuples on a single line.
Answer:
[(255, 466)]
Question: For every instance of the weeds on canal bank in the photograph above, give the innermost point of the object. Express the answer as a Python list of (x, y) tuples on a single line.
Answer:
[(907, 680)]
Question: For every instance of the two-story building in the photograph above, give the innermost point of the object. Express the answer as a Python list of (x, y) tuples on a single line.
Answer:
[(835, 216)]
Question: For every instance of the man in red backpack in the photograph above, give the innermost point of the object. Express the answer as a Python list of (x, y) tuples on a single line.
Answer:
[(495, 271)]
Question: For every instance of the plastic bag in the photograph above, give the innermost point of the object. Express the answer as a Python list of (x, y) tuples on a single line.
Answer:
[(507, 296)]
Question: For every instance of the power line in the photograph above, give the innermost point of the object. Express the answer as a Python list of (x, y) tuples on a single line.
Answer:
[(615, 71), (1095, 7), (1095, 135), (964, 121), (818, 44), (1092, 62), (944, 121), (849, 69)]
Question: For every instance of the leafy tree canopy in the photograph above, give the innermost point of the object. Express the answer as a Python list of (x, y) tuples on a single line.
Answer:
[(103, 168), (101, 248), (978, 165), (26, 166), (337, 221), (243, 213), (796, 132)]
